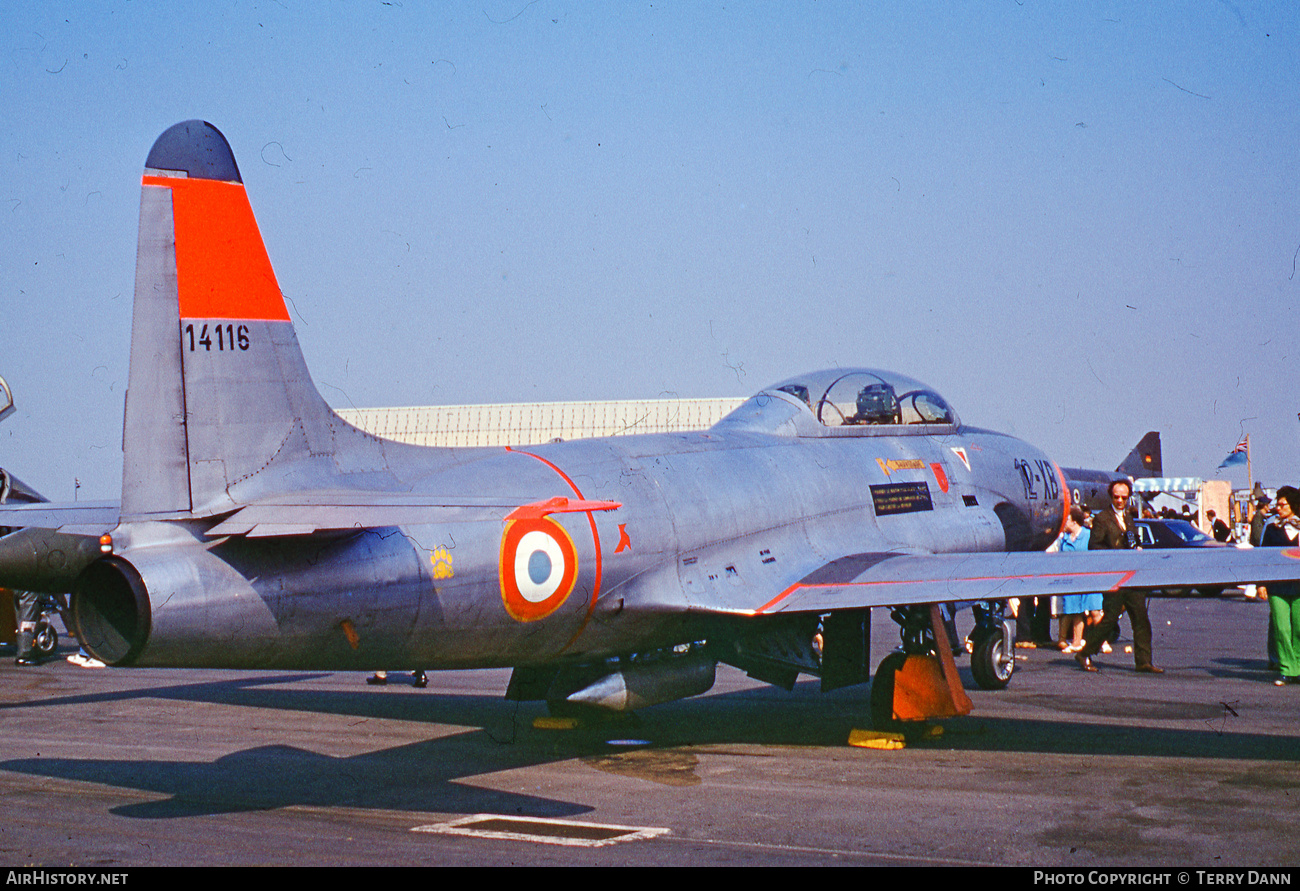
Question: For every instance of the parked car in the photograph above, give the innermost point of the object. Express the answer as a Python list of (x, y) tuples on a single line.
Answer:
[(1178, 534)]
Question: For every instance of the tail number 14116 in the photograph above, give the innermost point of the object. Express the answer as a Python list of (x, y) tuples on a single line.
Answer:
[(220, 337)]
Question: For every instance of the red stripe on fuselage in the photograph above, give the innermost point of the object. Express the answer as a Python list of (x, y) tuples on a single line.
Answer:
[(222, 270)]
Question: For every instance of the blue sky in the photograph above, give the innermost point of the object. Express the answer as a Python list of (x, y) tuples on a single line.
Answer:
[(1076, 221)]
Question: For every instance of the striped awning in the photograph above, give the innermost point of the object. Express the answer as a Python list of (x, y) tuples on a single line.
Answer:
[(1167, 484)]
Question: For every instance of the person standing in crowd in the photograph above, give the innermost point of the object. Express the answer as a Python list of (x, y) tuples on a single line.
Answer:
[(1092, 602), (27, 611), (1284, 597), (1033, 622), (1263, 513), (1116, 527), (1258, 523), (1075, 607), (1218, 528)]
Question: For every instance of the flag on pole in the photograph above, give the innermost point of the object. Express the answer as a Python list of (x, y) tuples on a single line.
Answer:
[(1237, 456)]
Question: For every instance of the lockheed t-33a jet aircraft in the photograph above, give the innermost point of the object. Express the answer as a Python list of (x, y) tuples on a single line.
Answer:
[(257, 529)]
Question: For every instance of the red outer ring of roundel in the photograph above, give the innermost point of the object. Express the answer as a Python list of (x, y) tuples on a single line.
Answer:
[(519, 607)]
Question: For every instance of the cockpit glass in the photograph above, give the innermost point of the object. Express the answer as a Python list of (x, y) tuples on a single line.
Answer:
[(858, 398), (865, 398), (798, 391), (925, 407)]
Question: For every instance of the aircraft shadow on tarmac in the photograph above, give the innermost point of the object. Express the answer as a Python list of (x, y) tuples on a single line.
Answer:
[(425, 775), (418, 777)]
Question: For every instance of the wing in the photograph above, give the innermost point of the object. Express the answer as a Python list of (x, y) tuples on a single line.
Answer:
[(891, 579)]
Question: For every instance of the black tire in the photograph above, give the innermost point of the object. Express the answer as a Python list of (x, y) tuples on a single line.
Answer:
[(882, 691), (45, 641), (988, 664)]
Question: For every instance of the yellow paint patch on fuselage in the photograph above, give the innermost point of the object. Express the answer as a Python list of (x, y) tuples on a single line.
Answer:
[(441, 560)]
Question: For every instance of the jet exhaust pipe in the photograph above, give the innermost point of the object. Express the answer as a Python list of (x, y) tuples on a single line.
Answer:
[(644, 684), (111, 611), (169, 600)]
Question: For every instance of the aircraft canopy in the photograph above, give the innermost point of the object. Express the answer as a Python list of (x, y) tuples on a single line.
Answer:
[(851, 397)]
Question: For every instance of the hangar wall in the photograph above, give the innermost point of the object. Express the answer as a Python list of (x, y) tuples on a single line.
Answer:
[(533, 423)]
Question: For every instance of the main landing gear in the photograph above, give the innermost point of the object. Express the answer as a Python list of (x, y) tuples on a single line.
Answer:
[(921, 682), (992, 656)]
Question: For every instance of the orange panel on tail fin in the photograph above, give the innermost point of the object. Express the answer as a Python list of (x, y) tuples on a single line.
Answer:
[(222, 269)]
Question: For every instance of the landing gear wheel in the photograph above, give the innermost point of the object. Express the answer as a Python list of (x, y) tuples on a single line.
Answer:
[(882, 691), (990, 663), (45, 641)]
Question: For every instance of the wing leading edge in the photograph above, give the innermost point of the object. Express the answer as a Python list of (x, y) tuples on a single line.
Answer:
[(890, 579)]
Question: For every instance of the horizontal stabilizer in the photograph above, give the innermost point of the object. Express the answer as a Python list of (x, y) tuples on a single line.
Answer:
[(305, 513), (102, 515)]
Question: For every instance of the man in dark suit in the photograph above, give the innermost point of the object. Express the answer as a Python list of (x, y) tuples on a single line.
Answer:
[(1115, 528), (1218, 528)]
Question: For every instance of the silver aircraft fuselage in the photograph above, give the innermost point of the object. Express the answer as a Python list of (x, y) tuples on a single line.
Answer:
[(704, 519)]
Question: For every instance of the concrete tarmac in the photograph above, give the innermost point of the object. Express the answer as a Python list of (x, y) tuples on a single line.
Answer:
[(131, 767)]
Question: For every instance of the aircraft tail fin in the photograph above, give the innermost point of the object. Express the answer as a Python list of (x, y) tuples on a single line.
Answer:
[(1145, 459), (219, 400)]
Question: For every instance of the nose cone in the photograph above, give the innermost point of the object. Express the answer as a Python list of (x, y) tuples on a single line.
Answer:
[(196, 148)]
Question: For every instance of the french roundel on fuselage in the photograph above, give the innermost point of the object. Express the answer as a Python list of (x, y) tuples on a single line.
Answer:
[(538, 567)]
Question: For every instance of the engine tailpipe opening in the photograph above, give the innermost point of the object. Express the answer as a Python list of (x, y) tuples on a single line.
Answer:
[(110, 609)]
